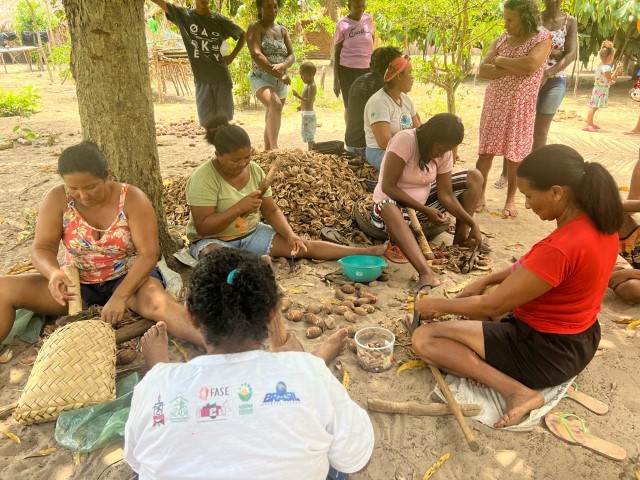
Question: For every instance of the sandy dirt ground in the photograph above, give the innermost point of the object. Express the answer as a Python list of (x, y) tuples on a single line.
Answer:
[(405, 445)]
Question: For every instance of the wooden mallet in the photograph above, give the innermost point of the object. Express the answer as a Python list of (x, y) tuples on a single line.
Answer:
[(420, 409), (455, 408), (271, 174), (75, 304), (417, 230)]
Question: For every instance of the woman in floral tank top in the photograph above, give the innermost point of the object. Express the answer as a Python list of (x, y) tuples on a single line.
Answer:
[(110, 233), (514, 65)]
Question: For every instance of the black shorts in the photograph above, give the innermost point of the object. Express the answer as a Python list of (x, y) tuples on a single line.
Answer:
[(537, 359), (347, 76), (100, 293)]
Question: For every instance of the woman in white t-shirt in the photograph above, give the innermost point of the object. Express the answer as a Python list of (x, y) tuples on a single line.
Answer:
[(389, 110), (239, 411), (416, 173)]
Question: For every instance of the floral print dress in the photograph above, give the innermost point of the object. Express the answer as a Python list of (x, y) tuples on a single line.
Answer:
[(600, 92), (509, 108)]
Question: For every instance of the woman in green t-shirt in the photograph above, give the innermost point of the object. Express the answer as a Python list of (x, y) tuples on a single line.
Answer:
[(226, 206)]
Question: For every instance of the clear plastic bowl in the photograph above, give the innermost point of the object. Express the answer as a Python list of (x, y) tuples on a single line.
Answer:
[(375, 349)]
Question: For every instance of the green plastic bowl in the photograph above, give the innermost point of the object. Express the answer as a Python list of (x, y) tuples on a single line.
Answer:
[(362, 268)]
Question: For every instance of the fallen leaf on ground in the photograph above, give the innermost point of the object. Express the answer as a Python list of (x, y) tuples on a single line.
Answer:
[(626, 320), (6, 356), (410, 365), (11, 436), (182, 351), (346, 381), (435, 466), (293, 291), (623, 188), (42, 453), (633, 325)]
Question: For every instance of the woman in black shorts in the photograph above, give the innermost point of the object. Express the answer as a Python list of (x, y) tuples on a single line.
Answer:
[(553, 292)]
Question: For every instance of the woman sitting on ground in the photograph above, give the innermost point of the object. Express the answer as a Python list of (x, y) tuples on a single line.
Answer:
[(226, 206), (625, 282), (240, 412), (416, 173), (389, 110), (110, 233), (554, 291)]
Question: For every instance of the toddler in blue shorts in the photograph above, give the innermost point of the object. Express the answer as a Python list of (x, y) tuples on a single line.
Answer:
[(308, 124)]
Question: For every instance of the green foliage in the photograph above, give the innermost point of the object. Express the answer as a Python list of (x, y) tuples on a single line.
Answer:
[(60, 58), (25, 132), (24, 22), (444, 30), (613, 20), (23, 102)]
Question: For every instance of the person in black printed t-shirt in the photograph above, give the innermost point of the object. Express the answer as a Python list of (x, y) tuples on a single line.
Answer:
[(203, 33)]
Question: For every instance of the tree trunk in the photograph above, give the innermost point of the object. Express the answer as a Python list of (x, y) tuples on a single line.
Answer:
[(110, 65), (451, 100)]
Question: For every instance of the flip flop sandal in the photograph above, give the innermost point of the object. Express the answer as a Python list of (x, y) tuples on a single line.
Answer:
[(331, 235), (416, 314), (590, 403), (572, 429), (500, 183), (395, 255)]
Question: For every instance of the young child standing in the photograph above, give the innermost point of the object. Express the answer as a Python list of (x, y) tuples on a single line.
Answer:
[(308, 97), (604, 78)]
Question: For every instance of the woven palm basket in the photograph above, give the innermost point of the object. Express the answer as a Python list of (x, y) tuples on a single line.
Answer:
[(75, 367)]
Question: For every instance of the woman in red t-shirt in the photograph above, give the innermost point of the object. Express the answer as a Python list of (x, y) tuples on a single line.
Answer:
[(554, 291)]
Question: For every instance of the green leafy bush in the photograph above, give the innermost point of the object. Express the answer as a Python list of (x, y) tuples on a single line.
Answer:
[(60, 58), (23, 102)]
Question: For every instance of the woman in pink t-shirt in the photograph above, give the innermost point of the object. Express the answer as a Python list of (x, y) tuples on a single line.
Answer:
[(551, 296), (416, 173), (353, 40)]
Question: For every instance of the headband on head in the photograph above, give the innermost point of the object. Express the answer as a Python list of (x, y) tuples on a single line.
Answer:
[(396, 66)]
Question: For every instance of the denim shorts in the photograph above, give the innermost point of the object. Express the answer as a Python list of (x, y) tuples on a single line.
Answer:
[(259, 242), (100, 293), (374, 157), (550, 95), (259, 79), (308, 126)]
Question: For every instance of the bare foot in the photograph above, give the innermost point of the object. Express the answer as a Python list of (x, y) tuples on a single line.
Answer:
[(155, 345), (519, 405), (333, 346), (378, 250), (428, 279), (632, 132), (590, 128), (510, 210), (481, 204), (597, 127)]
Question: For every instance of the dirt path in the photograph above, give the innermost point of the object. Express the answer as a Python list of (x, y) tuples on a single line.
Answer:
[(405, 446)]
